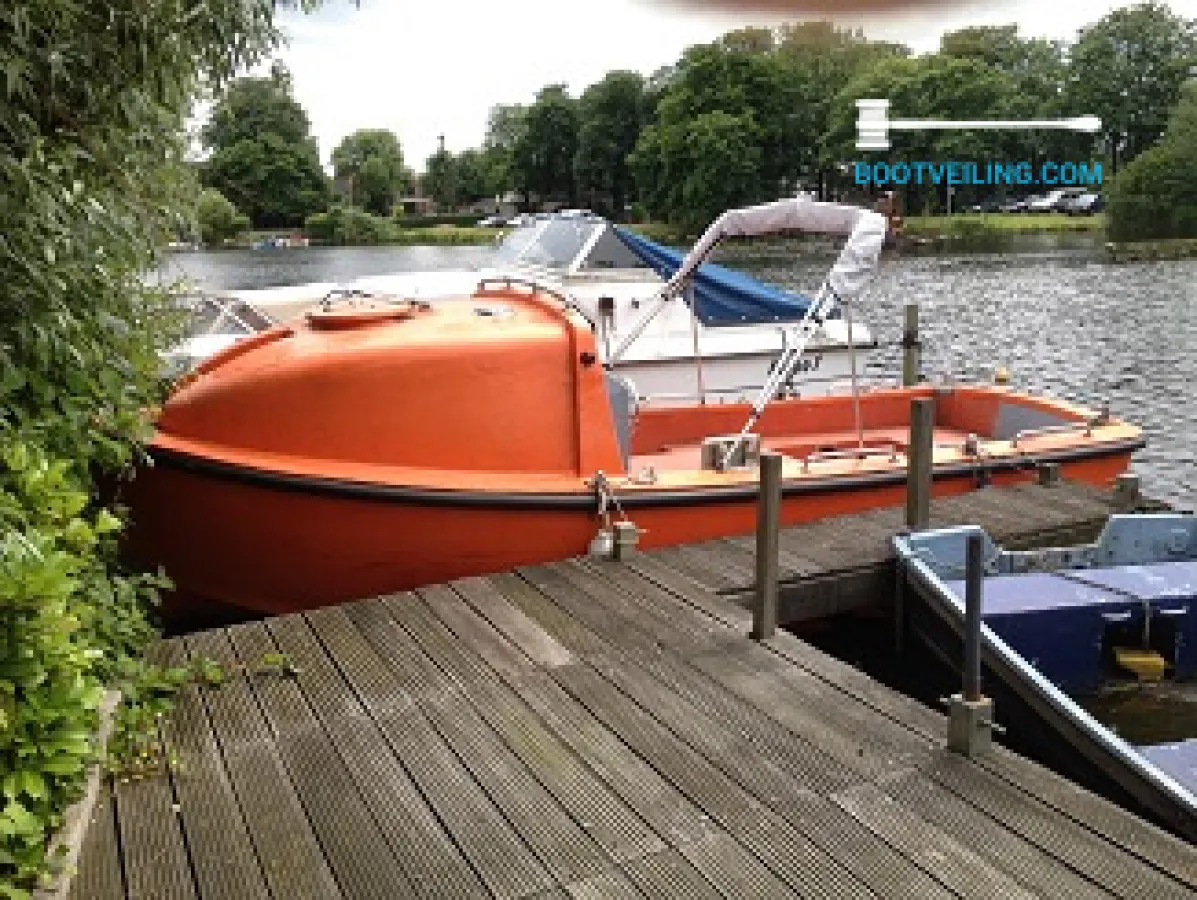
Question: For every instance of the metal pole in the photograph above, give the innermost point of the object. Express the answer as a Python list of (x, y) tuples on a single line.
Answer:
[(855, 387), (910, 346), (974, 580), (702, 390), (919, 456), (768, 521)]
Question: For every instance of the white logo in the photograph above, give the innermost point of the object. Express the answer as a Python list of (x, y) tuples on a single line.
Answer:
[(873, 124)]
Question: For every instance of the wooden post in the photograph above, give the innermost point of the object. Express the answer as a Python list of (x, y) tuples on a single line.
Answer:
[(1126, 492), (974, 581), (918, 454), (768, 521), (911, 350)]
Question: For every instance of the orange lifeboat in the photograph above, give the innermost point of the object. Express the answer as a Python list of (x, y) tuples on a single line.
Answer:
[(377, 446)]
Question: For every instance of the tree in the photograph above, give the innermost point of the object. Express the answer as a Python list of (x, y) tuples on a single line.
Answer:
[(1155, 196), (504, 127), (689, 171), (218, 219), (370, 162), (611, 112), (441, 180), (932, 86), (1128, 69), (473, 176), (544, 152), (264, 159), (92, 113)]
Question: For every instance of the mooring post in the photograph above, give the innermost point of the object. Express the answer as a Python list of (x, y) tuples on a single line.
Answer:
[(768, 521), (918, 455), (974, 582), (970, 713), (1126, 492), (910, 346)]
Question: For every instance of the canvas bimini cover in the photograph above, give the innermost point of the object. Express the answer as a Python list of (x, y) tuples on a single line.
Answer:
[(865, 229), (721, 296)]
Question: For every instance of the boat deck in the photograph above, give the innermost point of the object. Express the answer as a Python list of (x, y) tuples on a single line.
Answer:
[(688, 457), (586, 729)]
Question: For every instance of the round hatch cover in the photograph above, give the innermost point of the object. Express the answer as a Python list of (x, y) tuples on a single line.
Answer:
[(351, 311)]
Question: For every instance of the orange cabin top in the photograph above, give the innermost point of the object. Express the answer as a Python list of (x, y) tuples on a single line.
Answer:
[(506, 381)]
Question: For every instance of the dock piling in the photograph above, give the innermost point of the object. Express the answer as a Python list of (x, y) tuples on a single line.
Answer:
[(919, 453), (911, 348), (768, 523), (1126, 492), (970, 713)]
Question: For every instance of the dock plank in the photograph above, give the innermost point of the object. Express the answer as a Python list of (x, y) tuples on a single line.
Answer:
[(99, 876), (287, 849)]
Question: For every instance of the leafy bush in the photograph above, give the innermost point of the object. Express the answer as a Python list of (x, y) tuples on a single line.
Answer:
[(92, 111), (218, 219), (1155, 197), (349, 225), (462, 221)]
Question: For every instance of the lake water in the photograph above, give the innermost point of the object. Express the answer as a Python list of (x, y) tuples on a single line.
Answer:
[(1048, 308)]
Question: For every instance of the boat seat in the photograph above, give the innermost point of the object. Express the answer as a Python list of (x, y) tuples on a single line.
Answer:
[(622, 395)]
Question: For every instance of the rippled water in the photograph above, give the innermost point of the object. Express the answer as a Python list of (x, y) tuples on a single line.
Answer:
[(1048, 308)]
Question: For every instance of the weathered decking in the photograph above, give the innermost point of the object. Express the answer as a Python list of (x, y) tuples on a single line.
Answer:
[(587, 729)]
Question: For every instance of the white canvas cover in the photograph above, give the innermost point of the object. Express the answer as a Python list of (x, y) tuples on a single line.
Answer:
[(865, 229)]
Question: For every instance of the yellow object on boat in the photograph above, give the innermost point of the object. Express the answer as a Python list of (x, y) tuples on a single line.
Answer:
[(1146, 664)]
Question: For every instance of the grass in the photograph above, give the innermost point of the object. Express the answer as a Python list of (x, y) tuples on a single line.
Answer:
[(1141, 251), (970, 224)]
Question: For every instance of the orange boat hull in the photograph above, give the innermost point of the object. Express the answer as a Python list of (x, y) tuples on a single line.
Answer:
[(375, 447), (277, 550)]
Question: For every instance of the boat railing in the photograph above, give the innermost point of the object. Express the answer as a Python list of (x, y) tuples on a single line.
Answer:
[(537, 286), (832, 384), (1085, 428)]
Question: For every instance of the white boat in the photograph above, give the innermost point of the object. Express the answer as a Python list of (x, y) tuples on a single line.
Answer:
[(734, 326)]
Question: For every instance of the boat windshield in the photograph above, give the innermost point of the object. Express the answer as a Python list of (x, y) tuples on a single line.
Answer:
[(223, 315), (557, 243)]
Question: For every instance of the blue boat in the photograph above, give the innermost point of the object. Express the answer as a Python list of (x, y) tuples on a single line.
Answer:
[(1061, 622)]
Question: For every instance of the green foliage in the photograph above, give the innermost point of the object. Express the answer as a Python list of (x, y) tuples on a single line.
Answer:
[(349, 225), (264, 160), (370, 163), (611, 113), (698, 168), (544, 152), (92, 108), (218, 219), (1128, 68), (441, 180), (462, 221), (1155, 197)]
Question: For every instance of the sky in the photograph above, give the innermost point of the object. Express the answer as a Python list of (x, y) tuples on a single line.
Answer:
[(424, 69)]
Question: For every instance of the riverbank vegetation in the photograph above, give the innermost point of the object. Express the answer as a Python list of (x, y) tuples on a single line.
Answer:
[(95, 101), (983, 224)]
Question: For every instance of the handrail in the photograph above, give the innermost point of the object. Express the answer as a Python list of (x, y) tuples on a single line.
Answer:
[(536, 286), (1086, 426)]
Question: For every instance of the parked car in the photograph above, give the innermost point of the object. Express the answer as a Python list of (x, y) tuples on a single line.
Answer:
[(985, 206), (1045, 203), (1014, 205), (493, 222), (1085, 204)]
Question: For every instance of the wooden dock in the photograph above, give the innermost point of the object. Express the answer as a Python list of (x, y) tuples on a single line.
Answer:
[(588, 729), (845, 563)]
